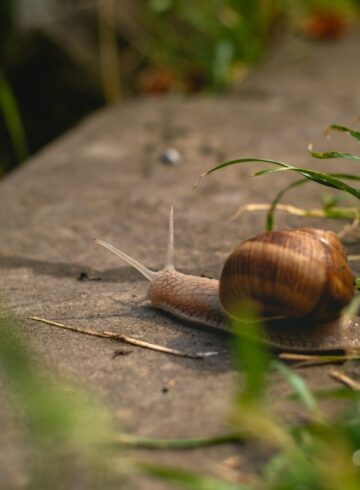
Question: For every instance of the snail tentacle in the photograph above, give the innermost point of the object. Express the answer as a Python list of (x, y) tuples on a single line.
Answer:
[(149, 274), (170, 249)]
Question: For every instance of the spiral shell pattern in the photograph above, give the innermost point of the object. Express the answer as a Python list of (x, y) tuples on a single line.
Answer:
[(295, 273)]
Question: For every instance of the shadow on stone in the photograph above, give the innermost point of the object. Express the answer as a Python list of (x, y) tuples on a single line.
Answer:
[(194, 337), (68, 269)]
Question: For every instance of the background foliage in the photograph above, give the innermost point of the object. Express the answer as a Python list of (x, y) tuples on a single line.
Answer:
[(72, 57)]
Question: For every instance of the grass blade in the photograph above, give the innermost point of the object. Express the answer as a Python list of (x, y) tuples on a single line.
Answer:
[(251, 356), (333, 154), (11, 114), (300, 387), (297, 183), (344, 129), (189, 480), (335, 393), (353, 308), (134, 441), (277, 199), (325, 179)]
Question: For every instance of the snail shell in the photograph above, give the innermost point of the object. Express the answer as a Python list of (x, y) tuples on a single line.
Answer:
[(294, 273)]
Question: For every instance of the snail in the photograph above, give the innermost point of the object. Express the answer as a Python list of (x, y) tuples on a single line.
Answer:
[(299, 279)]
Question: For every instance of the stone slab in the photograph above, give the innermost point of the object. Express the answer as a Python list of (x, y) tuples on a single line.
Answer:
[(105, 179)]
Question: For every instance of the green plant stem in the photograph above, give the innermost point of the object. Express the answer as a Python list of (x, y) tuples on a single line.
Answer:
[(11, 114), (129, 440), (108, 51)]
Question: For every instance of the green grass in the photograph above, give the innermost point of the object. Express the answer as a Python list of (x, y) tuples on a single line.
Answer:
[(316, 453), (11, 114), (332, 180), (66, 431)]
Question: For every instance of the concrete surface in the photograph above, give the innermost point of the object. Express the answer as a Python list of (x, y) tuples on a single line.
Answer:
[(105, 179)]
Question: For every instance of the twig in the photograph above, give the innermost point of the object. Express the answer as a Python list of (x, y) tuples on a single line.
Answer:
[(124, 338), (337, 213), (345, 379), (108, 51), (282, 207), (141, 442), (292, 356), (349, 228), (307, 360)]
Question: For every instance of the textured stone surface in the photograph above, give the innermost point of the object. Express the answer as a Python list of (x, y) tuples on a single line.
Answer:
[(105, 178)]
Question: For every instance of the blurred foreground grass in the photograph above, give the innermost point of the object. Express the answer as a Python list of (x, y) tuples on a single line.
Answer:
[(66, 432), (69, 436), (315, 453)]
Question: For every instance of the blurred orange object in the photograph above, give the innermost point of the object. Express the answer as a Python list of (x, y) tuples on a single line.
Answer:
[(155, 80), (323, 24)]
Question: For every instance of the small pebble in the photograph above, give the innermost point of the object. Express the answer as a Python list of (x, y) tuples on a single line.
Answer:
[(171, 156)]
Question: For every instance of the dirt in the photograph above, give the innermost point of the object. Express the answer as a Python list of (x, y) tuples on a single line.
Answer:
[(106, 178)]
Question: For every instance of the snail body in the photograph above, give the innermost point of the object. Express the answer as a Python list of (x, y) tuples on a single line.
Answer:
[(300, 279)]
